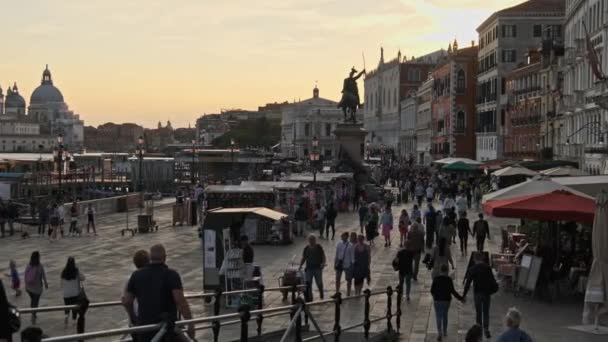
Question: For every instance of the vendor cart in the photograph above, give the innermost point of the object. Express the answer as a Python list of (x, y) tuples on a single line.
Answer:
[(292, 276)]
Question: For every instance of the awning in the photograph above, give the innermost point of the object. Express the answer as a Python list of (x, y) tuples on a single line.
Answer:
[(535, 186), (562, 171), (515, 170), (559, 205), (261, 211), (238, 189), (459, 167), (454, 160)]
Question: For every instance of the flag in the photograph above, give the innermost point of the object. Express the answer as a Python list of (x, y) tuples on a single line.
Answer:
[(592, 56)]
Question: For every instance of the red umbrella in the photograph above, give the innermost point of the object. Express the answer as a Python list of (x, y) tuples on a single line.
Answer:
[(558, 205)]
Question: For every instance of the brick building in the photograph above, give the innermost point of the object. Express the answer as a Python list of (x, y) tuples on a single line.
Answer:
[(111, 137), (523, 113), (453, 104)]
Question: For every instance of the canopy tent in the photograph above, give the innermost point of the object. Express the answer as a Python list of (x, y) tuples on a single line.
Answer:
[(562, 171), (515, 170), (238, 189), (558, 205), (321, 177), (261, 211), (275, 185), (467, 161), (459, 166), (590, 185), (535, 186)]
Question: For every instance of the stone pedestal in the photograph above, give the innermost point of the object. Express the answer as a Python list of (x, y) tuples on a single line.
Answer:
[(351, 139)]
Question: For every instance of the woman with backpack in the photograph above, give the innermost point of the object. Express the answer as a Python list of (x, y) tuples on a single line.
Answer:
[(71, 284), (34, 279)]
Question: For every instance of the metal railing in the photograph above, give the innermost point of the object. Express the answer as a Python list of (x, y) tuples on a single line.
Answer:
[(244, 315)]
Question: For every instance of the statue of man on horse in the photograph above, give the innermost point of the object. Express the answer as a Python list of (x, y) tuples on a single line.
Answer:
[(350, 101)]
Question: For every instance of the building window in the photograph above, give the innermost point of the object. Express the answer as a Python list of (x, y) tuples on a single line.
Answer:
[(307, 130), (509, 31), (460, 82), (555, 31), (460, 122), (537, 31), (440, 126), (328, 130), (509, 55)]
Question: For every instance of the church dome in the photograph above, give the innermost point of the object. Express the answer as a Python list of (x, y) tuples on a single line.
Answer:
[(13, 99), (46, 92)]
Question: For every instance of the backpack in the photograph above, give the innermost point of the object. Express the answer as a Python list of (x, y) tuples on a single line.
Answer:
[(30, 276)]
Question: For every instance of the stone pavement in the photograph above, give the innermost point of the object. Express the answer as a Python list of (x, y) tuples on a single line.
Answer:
[(106, 262)]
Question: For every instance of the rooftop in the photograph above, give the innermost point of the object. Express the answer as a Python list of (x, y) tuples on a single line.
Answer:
[(531, 8)]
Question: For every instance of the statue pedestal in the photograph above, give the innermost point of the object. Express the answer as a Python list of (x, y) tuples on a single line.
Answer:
[(350, 139)]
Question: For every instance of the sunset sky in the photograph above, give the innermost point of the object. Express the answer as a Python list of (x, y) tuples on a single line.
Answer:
[(148, 60)]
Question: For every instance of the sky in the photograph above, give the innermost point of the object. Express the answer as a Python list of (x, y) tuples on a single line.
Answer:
[(148, 60)]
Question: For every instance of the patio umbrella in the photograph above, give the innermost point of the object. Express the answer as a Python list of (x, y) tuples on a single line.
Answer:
[(534, 186), (596, 295), (561, 171), (459, 167), (515, 170), (559, 205)]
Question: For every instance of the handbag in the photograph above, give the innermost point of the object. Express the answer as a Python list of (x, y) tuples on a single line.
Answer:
[(14, 319)]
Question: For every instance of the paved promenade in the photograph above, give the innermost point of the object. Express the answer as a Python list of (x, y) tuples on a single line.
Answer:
[(106, 262)]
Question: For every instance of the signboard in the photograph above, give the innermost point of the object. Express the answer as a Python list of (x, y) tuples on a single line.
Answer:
[(209, 244)]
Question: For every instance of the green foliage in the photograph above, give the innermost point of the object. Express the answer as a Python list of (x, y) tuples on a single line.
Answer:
[(252, 133)]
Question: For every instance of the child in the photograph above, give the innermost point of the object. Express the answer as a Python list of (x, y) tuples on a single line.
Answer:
[(16, 283)]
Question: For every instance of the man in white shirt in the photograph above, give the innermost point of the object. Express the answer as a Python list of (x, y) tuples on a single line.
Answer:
[(448, 203), (430, 193), (461, 204), (343, 262)]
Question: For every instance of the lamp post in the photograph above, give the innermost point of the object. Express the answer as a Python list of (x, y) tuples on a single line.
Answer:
[(58, 154), (192, 164), (314, 159), (232, 145), (140, 156)]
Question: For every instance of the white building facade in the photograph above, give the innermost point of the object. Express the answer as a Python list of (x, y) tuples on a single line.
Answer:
[(583, 121), (303, 120), (504, 40), (423, 122), (407, 132)]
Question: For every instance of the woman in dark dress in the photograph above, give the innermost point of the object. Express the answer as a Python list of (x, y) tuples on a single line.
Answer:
[(371, 230), (363, 259)]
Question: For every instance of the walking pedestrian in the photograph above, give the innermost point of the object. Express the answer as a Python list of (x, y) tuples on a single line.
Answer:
[(477, 196), (319, 216), (513, 332), (6, 333), (416, 243), (485, 285), (447, 230), (141, 258), (481, 230), (404, 223), (441, 256), (43, 217), (61, 212), (442, 290), (348, 272), (343, 260), (363, 216), (371, 230), (71, 284), (361, 266), (12, 213), (55, 221), (419, 192), (430, 193), (301, 219), (160, 295), (464, 230), (314, 257), (34, 279), (14, 275), (430, 221), (91, 219), (461, 204), (331, 215), (74, 213), (405, 261), (386, 220)]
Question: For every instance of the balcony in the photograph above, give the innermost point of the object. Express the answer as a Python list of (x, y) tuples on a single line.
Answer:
[(486, 99), (526, 120)]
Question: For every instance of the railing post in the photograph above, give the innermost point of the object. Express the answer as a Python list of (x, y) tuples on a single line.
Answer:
[(298, 330), (245, 317), (260, 317), (389, 312), (366, 323), (215, 325), (399, 302), (337, 328)]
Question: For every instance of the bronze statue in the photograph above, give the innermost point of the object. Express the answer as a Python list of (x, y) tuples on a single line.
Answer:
[(350, 101)]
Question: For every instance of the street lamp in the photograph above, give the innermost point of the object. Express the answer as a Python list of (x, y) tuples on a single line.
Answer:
[(192, 164), (232, 145), (314, 158), (140, 156), (58, 154)]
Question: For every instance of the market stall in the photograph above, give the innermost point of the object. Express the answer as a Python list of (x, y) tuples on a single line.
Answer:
[(325, 187), (221, 235), (564, 171), (236, 196), (514, 174)]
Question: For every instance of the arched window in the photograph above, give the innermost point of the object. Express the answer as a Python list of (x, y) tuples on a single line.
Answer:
[(460, 122), (460, 82)]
